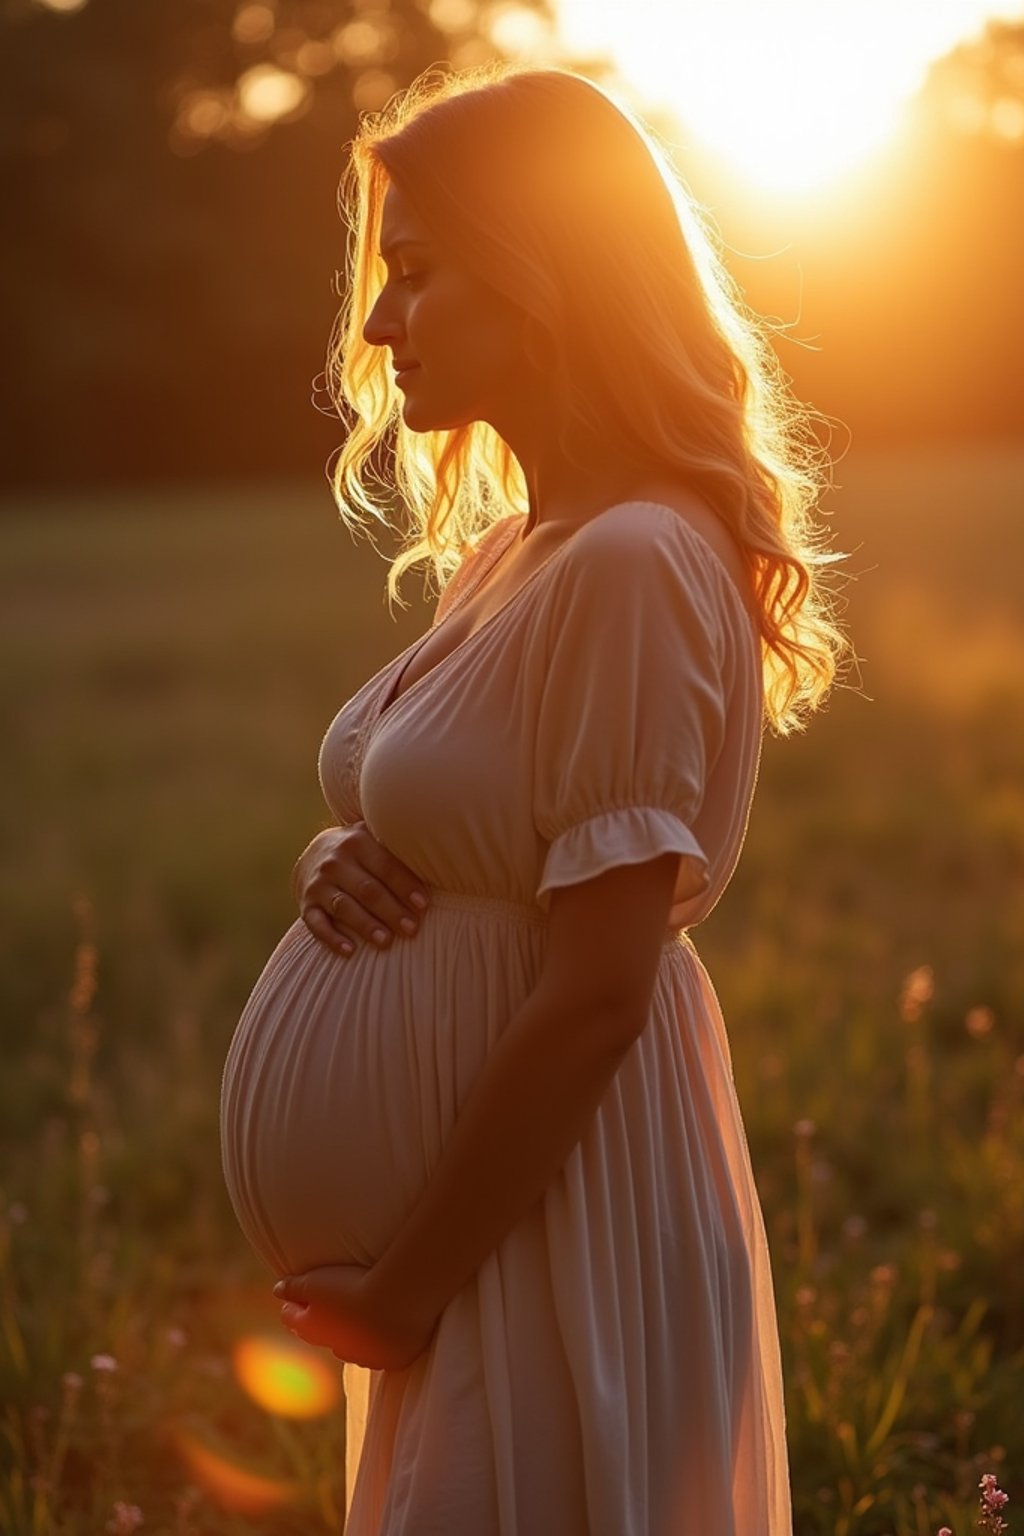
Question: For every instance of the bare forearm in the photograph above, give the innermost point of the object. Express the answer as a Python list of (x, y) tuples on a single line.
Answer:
[(536, 1095)]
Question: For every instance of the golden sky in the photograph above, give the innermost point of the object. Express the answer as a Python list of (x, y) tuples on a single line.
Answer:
[(792, 93)]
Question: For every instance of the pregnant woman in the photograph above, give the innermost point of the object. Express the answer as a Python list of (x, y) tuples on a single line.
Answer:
[(498, 1164)]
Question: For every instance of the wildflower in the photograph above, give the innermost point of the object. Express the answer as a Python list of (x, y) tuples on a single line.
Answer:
[(945, 1531), (103, 1363), (806, 1296), (177, 1338), (854, 1227), (992, 1496), (993, 1499), (71, 1382), (883, 1274), (804, 1129), (125, 1519)]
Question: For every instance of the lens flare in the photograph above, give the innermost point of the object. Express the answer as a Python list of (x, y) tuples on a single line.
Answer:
[(233, 1487), (286, 1377)]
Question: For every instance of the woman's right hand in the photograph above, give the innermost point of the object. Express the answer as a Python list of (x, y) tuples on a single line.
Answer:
[(350, 888)]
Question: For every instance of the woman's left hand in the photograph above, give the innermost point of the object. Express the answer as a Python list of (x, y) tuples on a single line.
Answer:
[(338, 1306)]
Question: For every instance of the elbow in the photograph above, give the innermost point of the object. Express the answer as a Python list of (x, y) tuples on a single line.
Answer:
[(609, 1021)]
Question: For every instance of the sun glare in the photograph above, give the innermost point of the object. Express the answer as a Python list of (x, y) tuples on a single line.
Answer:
[(792, 93)]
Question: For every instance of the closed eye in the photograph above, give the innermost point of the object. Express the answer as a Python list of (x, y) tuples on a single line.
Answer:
[(409, 279)]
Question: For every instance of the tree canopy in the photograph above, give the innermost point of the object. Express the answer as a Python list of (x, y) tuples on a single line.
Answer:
[(174, 245)]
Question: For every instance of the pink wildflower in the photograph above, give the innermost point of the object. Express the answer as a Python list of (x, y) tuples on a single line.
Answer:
[(993, 1499), (103, 1363)]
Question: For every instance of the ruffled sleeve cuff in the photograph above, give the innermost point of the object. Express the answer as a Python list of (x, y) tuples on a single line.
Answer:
[(628, 835)]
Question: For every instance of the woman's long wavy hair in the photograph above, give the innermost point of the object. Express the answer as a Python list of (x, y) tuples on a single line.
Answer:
[(566, 204)]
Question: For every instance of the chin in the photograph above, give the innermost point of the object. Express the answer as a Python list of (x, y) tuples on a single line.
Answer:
[(415, 416), (420, 418)]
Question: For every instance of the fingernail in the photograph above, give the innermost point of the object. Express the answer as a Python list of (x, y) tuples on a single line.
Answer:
[(279, 1288), (346, 947), (379, 936), (418, 899), (407, 924)]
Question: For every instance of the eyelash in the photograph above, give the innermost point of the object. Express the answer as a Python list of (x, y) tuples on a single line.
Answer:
[(408, 277)]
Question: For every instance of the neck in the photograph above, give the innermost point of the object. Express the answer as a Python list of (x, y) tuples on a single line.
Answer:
[(563, 489)]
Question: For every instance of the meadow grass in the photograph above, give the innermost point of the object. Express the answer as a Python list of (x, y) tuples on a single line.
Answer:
[(171, 662)]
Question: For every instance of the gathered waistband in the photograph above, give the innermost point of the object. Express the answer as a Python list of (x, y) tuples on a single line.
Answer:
[(521, 911)]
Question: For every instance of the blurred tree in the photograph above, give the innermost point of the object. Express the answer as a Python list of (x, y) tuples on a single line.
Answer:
[(170, 172), (979, 87)]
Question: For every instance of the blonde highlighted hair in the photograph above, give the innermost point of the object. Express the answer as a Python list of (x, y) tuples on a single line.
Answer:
[(565, 203)]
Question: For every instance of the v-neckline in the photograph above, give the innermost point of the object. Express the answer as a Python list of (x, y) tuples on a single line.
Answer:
[(409, 655), (380, 712)]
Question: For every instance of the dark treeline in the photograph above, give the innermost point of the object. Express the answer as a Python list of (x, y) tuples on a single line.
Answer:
[(169, 301)]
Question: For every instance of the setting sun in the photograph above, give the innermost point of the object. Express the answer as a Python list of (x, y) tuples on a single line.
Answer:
[(791, 94)]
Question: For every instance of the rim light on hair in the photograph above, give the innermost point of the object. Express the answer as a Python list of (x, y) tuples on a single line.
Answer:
[(565, 203)]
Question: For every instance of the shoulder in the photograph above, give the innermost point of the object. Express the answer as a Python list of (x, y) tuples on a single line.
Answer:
[(667, 545), (697, 514)]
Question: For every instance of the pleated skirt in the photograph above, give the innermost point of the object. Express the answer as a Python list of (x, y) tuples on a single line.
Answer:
[(613, 1369)]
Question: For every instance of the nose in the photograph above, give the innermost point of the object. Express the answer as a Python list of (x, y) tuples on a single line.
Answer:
[(380, 329)]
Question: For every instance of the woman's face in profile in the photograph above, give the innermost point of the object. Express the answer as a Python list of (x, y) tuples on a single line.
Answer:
[(463, 338)]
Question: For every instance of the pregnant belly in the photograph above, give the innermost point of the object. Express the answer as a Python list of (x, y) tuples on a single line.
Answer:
[(344, 1077)]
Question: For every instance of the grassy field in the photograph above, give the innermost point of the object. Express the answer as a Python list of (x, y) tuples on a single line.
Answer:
[(170, 663)]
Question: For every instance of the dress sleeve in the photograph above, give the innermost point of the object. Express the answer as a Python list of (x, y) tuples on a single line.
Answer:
[(632, 709)]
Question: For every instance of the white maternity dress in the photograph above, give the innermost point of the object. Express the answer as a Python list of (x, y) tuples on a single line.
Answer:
[(613, 1369)]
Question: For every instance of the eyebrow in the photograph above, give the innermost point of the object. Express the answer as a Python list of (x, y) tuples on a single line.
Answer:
[(398, 245)]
